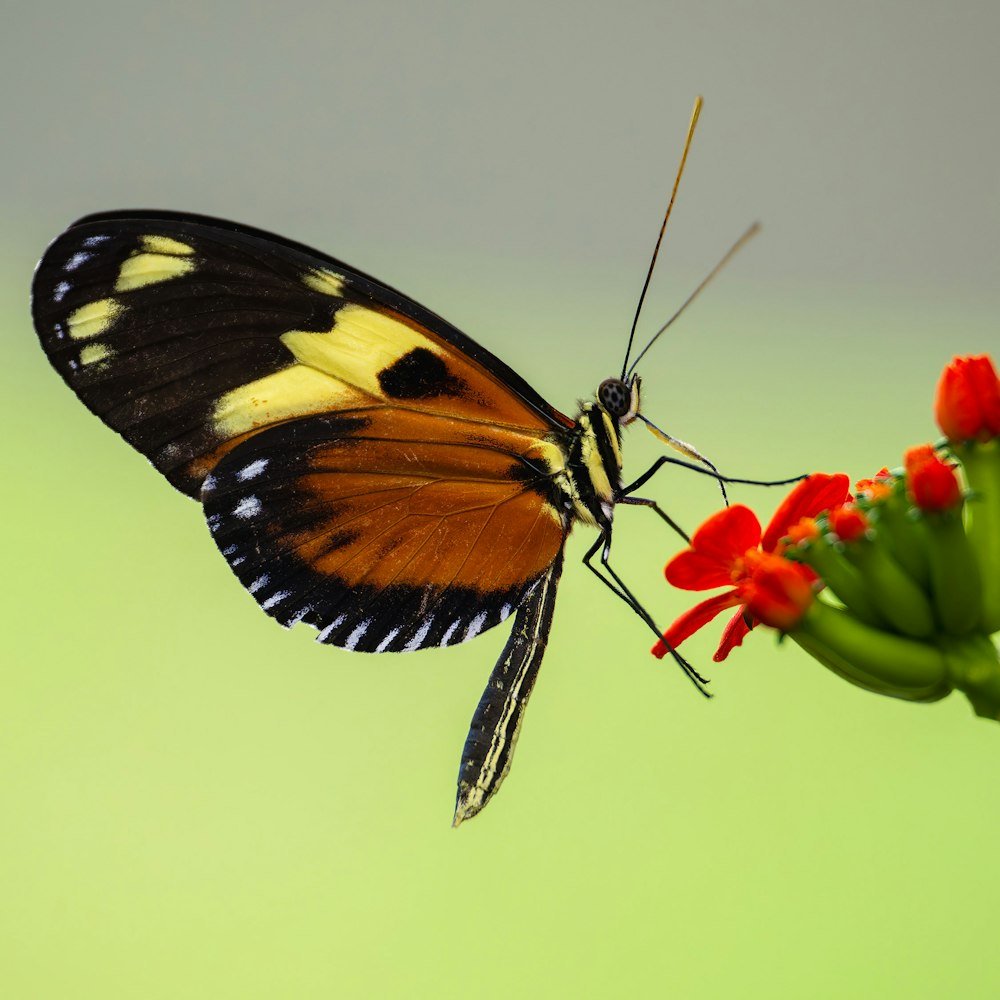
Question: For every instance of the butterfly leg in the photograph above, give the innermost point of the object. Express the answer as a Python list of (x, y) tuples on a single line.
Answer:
[(618, 587), (713, 473), (646, 502)]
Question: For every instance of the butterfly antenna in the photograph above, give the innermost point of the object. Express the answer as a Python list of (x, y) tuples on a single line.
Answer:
[(729, 254), (673, 194)]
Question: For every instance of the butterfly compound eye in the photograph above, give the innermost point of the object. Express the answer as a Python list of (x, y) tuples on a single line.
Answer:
[(614, 395)]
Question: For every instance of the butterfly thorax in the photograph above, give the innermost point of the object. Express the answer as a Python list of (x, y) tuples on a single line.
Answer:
[(591, 478)]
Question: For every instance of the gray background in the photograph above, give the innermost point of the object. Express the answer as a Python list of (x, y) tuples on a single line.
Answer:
[(863, 134)]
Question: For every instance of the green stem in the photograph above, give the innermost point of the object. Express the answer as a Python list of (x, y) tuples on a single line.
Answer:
[(982, 471), (974, 668), (955, 575), (896, 525)]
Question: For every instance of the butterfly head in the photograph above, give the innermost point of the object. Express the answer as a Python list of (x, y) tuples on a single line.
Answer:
[(620, 398)]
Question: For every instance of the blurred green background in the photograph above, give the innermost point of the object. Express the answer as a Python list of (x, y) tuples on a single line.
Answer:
[(198, 804)]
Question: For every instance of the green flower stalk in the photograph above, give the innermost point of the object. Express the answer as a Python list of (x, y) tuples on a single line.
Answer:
[(900, 529), (967, 409), (896, 589), (981, 463)]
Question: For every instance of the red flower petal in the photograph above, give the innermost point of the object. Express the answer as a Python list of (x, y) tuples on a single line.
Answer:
[(810, 497), (733, 635), (717, 547), (693, 619), (727, 534), (690, 570)]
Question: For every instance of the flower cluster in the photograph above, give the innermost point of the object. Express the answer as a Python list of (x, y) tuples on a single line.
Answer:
[(895, 588)]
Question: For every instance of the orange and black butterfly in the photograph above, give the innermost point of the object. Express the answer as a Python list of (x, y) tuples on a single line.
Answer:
[(364, 467)]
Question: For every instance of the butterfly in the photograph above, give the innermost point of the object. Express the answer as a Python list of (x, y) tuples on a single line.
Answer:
[(364, 467)]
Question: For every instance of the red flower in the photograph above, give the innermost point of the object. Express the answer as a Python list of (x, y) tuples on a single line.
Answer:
[(967, 405), (932, 483), (779, 591), (877, 488), (729, 549), (807, 530)]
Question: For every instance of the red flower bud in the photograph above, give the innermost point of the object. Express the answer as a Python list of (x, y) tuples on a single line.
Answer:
[(932, 483), (967, 405), (848, 523)]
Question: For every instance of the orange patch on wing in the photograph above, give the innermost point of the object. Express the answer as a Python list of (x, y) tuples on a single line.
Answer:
[(492, 536)]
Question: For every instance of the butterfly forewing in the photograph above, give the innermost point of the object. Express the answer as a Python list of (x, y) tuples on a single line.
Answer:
[(185, 335)]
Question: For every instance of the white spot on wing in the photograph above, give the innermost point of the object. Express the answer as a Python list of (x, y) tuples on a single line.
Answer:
[(255, 468), (261, 581), (451, 629), (274, 599), (59, 331), (248, 507), (419, 635), (335, 624), (505, 612), (298, 616), (476, 625), (384, 644), (93, 241), (73, 365), (76, 260), (355, 637), (208, 484), (230, 550), (59, 292)]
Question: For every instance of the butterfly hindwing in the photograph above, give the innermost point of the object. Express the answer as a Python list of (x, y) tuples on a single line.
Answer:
[(387, 530)]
